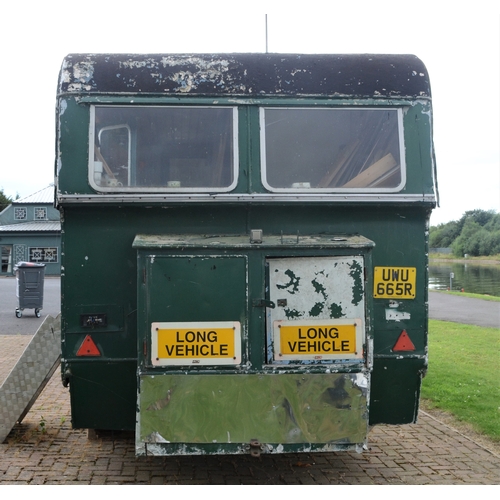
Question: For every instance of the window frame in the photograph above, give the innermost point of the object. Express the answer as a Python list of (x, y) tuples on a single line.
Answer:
[(43, 250), (6, 258), (20, 209), (45, 213), (339, 189), (160, 189)]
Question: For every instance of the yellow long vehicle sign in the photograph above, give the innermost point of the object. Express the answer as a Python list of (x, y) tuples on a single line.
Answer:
[(322, 339), (210, 343)]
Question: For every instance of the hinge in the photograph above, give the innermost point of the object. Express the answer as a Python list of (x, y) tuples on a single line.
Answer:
[(263, 303)]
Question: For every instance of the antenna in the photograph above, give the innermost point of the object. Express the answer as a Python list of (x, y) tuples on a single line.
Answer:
[(266, 35)]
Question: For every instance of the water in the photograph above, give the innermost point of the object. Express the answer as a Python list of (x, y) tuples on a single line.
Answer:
[(473, 278)]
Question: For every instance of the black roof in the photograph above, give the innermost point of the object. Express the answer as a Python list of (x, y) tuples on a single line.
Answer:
[(336, 75)]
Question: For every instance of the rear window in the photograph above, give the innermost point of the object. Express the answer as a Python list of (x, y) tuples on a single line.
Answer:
[(163, 148), (329, 149)]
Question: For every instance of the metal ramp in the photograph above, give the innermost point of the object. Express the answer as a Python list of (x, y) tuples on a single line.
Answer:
[(30, 375)]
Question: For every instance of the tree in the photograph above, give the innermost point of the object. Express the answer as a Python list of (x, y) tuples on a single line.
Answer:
[(5, 200), (443, 235), (476, 233), (464, 243), (494, 223), (482, 217), (477, 240)]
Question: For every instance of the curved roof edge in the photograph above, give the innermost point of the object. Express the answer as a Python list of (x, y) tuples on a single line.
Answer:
[(251, 75)]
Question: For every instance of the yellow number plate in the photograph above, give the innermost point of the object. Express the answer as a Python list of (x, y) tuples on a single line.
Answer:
[(210, 343), (394, 282), (322, 339)]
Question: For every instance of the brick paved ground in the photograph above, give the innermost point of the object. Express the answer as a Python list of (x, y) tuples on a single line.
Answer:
[(45, 450)]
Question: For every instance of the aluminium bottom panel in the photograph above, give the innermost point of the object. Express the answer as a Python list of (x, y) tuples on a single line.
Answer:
[(225, 413)]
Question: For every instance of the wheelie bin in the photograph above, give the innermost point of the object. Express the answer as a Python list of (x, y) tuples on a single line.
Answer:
[(30, 280)]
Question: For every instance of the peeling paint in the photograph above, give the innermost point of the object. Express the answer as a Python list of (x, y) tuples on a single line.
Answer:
[(316, 309), (293, 285), (354, 75), (83, 72), (357, 276), (319, 288), (292, 313), (394, 315), (338, 282), (324, 288), (336, 311)]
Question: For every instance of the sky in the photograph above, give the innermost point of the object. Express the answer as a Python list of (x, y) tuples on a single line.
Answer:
[(460, 48)]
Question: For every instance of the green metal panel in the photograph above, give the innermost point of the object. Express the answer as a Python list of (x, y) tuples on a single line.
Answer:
[(395, 389), (102, 395), (73, 146), (196, 288), (108, 276)]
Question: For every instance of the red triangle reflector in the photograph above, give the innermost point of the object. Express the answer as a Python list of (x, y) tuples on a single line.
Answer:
[(88, 348), (404, 343)]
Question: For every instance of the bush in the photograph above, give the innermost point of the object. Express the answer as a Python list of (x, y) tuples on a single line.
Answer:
[(466, 242), (477, 233), (476, 241), (444, 235)]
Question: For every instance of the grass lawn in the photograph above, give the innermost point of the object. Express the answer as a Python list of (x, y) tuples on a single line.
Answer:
[(489, 259), (464, 374)]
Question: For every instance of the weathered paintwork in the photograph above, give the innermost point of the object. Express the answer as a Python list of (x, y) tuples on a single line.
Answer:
[(132, 259), (199, 279), (313, 291), (366, 75)]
